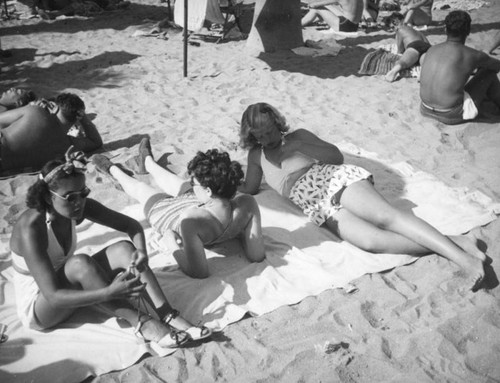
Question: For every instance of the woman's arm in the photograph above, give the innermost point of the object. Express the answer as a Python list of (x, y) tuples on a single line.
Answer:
[(253, 176), (308, 143), (253, 243), (90, 138), (188, 249)]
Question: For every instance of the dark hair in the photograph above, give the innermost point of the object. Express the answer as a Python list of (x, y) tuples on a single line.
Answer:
[(26, 98), (216, 171), (457, 24), (38, 193), (254, 117), (393, 20), (70, 105)]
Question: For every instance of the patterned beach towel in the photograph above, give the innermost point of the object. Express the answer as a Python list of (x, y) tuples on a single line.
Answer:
[(381, 61)]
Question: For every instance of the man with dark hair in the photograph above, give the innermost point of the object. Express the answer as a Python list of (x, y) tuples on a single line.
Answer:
[(456, 79), (15, 98), (30, 136)]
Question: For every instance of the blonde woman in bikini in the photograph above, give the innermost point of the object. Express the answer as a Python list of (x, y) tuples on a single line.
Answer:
[(192, 215), (341, 197)]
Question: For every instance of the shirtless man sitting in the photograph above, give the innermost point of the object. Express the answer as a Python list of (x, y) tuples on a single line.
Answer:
[(340, 15), (448, 92), (30, 136), (411, 43), (15, 98)]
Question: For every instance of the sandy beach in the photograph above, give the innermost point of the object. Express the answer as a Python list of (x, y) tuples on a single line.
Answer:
[(410, 324)]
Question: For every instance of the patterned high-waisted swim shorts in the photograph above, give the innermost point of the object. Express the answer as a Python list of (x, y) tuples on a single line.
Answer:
[(317, 191)]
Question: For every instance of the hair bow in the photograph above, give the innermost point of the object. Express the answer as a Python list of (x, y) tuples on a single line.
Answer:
[(76, 162)]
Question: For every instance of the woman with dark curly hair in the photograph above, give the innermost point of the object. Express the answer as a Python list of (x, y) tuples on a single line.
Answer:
[(198, 213), (52, 280), (342, 197)]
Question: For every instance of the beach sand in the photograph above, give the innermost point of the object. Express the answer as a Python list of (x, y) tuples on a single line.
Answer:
[(410, 324)]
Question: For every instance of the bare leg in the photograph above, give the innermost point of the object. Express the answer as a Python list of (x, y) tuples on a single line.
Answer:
[(362, 200), (133, 187), (169, 182), (330, 18), (309, 17), (417, 17), (410, 57), (495, 43)]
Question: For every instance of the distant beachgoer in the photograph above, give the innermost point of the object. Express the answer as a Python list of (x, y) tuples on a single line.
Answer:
[(340, 15), (199, 13), (29, 136), (418, 12), (370, 11), (51, 280), (15, 98), (456, 79), (192, 216), (341, 197), (411, 43)]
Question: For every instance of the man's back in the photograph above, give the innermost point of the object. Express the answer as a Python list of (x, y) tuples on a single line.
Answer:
[(32, 138), (445, 71)]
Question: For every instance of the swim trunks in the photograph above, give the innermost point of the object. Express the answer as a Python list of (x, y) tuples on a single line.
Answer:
[(452, 116), (318, 191), (420, 46), (346, 25)]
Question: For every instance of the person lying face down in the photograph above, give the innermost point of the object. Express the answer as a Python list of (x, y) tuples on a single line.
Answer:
[(197, 213), (15, 98), (31, 136)]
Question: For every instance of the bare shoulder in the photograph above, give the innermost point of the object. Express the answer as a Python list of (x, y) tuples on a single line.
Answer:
[(245, 201), (30, 223)]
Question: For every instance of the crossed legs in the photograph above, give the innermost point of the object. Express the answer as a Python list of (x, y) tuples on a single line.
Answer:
[(371, 223)]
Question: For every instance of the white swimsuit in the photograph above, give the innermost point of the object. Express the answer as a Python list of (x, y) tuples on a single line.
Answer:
[(25, 285)]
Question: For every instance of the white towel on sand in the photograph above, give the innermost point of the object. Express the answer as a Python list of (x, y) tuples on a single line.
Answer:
[(302, 260)]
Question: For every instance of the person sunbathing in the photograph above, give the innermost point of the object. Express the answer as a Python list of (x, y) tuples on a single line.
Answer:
[(417, 12), (411, 43), (340, 15), (15, 98), (30, 136), (456, 79), (194, 214), (340, 197), (52, 279)]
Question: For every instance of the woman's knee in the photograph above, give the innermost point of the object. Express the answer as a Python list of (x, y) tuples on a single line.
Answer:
[(78, 266), (123, 250)]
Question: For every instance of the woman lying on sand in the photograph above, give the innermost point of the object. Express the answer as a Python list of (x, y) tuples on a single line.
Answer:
[(51, 281), (311, 173), (195, 215)]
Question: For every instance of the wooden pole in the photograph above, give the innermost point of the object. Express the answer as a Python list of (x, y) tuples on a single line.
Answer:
[(185, 37)]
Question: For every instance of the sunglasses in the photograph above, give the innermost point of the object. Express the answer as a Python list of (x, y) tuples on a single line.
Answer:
[(73, 196)]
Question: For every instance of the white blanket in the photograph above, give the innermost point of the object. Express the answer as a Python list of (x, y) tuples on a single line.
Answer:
[(302, 260)]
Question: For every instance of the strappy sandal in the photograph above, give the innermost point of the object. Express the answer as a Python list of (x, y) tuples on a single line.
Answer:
[(194, 332), (175, 338)]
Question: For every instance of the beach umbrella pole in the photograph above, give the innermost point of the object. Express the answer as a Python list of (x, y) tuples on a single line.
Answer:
[(185, 37)]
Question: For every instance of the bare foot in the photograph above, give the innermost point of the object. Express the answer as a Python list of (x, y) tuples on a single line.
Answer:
[(156, 331), (469, 245), (391, 76), (474, 271)]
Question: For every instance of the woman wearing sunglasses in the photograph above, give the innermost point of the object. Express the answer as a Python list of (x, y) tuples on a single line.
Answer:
[(52, 280), (197, 213)]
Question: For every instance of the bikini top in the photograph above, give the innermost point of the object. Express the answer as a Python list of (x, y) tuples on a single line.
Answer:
[(283, 178), (54, 250)]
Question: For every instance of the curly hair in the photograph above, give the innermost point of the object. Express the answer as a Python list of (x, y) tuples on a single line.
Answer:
[(457, 24), (216, 171), (26, 98), (70, 105), (38, 193), (256, 116)]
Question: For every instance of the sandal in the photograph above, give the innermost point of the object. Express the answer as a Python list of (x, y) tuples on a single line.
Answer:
[(194, 332), (173, 339)]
